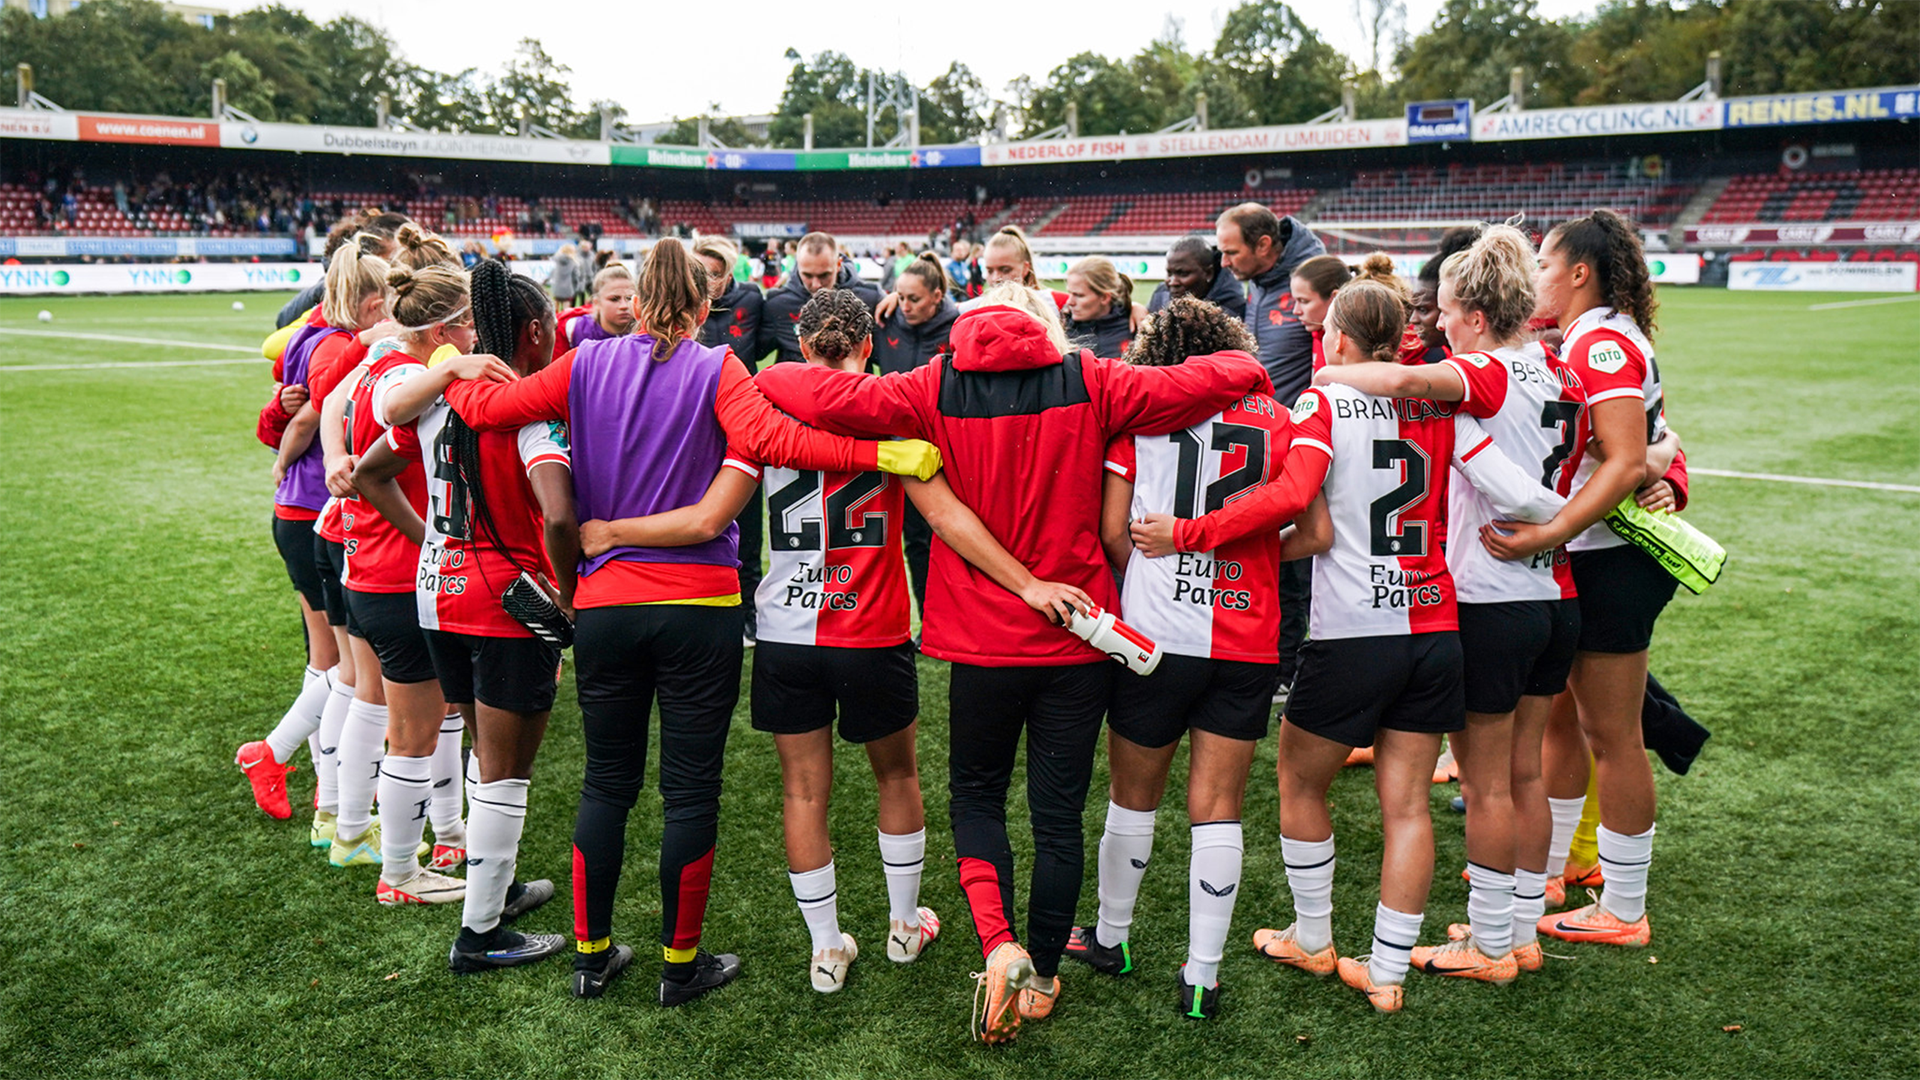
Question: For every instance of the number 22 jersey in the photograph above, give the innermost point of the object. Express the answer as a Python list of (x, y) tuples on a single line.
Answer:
[(1222, 604), (836, 569)]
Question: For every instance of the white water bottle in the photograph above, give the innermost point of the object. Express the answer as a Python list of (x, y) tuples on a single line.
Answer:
[(1102, 630)]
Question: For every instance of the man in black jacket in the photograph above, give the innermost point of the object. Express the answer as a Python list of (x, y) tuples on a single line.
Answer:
[(1263, 249), (816, 265)]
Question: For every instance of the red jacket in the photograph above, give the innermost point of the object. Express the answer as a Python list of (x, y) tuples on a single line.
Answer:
[(1023, 431)]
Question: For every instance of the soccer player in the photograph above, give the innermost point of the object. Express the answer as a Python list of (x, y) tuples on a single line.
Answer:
[(1263, 250), (1384, 662), (320, 351), (609, 315), (1592, 280), (1217, 616), (1098, 314), (1012, 381), (652, 415), (433, 309), (1314, 285), (1426, 343), (919, 328), (498, 503), (1194, 269), (734, 306), (1519, 621)]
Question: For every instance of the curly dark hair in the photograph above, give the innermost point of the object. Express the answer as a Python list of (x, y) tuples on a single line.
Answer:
[(1187, 327), (834, 323), (1610, 246)]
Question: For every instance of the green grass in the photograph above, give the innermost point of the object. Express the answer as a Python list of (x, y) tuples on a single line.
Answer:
[(154, 923)]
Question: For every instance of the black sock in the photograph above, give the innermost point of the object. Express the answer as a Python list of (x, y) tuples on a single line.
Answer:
[(677, 972)]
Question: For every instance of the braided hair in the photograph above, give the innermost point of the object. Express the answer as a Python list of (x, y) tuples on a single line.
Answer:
[(1609, 246), (1187, 327), (834, 323), (503, 302)]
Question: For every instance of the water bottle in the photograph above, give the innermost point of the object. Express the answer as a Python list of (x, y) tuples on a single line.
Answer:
[(1102, 630)]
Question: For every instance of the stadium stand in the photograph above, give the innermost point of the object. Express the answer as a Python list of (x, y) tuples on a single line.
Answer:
[(1544, 192), (1857, 195), (853, 217)]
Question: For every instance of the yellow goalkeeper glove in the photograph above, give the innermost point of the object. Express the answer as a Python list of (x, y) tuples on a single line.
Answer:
[(910, 457)]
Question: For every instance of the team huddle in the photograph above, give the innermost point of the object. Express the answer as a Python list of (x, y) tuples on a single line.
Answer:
[(1393, 509)]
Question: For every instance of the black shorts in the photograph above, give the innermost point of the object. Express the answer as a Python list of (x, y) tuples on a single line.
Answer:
[(330, 561), (796, 689), (1229, 698), (390, 622), (515, 674), (1622, 592), (1517, 648), (296, 540), (1350, 687)]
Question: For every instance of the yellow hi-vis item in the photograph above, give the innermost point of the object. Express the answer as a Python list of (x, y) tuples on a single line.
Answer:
[(275, 346), (1691, 556), (909, 457)]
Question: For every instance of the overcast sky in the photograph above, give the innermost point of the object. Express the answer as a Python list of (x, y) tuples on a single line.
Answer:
[(668, 58)]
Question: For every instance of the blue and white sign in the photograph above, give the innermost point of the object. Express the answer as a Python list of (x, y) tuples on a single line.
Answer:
[(1831, 107), (1439, 121), (1593, 120)]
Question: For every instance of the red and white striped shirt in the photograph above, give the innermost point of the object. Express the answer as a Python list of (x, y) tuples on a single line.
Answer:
[(380, 558), (1613, 360), (837, 570)]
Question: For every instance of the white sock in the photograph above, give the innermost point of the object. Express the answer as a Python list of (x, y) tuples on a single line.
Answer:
[(1395, 933), (1566, 819), (1490, 910), (302, 718), (1623, 861), (448, 829), (819, 906), (1213, 884), (326, 764), (498, 814), (406, 789), (1125, 848), (1310, 878), (1529, 905), (473, 778), (904, 856), (363, 742)]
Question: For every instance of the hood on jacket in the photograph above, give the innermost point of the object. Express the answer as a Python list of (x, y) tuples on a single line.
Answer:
[(1299, 246), (937, 323), (1001, 338)]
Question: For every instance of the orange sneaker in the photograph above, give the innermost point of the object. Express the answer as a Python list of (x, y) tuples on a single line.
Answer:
[(1283, 947), (1446, 770), (1037, 1004), (1594, 923), (268, 778), (996, 995), (1526, 957), (1583, 877), (1461, 957), (1355, 973), (1556, 893), (1359, 755)]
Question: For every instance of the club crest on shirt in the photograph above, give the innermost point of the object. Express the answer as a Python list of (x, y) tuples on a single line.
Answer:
[(1606, 358)]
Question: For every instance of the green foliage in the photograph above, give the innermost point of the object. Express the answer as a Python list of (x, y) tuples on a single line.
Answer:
[(728, 129), (834, 89), (954, 108), (1473, 45), (1282, 69)]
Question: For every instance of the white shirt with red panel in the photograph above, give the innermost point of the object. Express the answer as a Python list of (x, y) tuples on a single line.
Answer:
[(836, 566), (1535, 410), (380, 559), (1387, 489), (1613, 360), (1222, 604), (462, 568)]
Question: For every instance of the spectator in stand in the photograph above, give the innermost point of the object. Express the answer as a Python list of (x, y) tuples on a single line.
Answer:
[(892, 265), (565, 279), (1263, 250), (1194, 269), (962, 270), (471, 254)]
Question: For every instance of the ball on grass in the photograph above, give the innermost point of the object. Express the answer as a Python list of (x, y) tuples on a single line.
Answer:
[(46, 316), (238, 306)]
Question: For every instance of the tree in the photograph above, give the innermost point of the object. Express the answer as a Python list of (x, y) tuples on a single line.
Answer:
[(954, 108), (1104, 91), (1819, 45), (533, 89), (728, 129), (1384, 22), (834, 89), (1473, 45), (1283, 70)]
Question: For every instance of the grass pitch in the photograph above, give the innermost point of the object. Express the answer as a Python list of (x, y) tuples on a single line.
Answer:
[(155, 923)]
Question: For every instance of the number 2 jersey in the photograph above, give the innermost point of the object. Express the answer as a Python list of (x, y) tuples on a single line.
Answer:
[(462, 570), (1535, 410), (1613, 360), (1222, 604), (1387, 489), (836, 568)]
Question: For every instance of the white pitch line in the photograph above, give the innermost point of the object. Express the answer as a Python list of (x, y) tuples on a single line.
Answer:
[(1863, 303), (1817, 481), (225, 362), (131, 340)]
